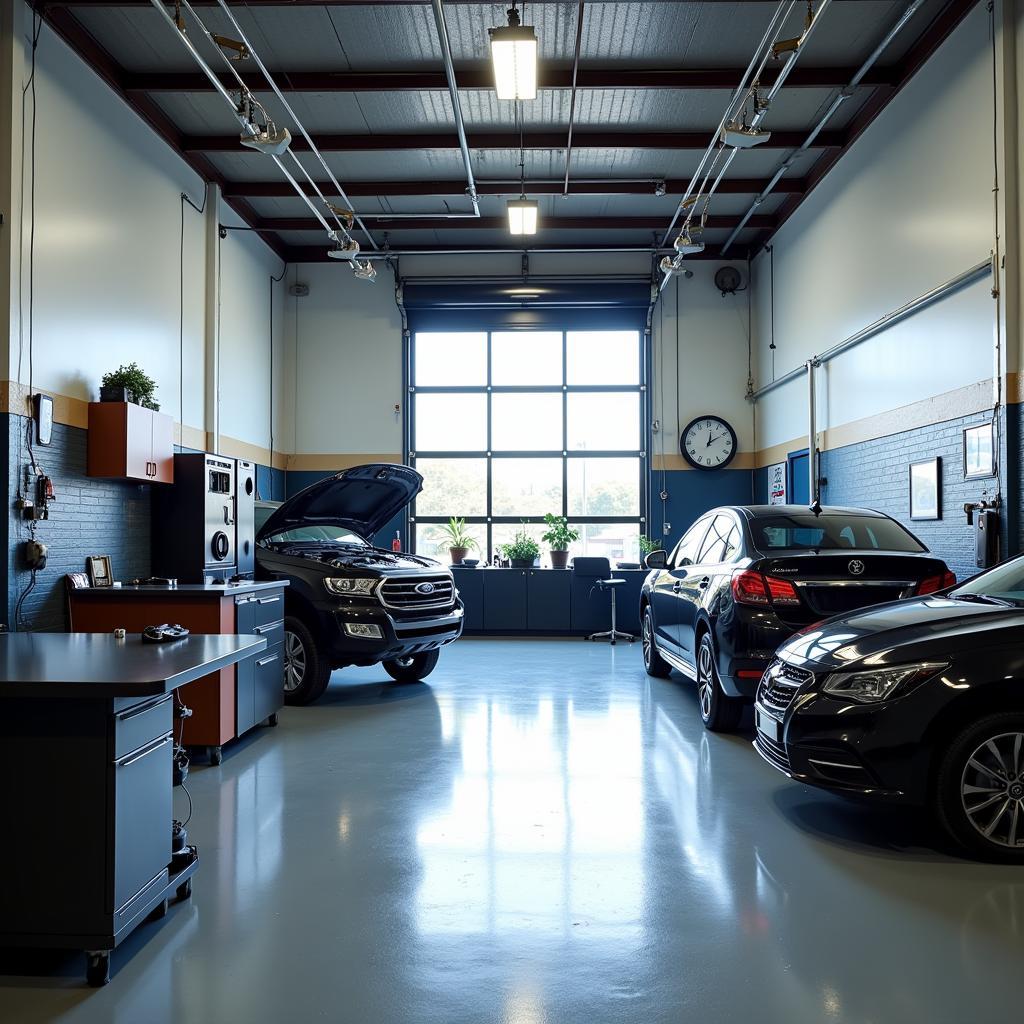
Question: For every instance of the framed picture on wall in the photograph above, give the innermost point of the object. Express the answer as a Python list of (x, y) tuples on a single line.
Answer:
[(979, 451), (925, 496), (777, 484)]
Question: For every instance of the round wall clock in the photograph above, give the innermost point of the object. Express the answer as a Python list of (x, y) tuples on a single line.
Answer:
[(708, 442)]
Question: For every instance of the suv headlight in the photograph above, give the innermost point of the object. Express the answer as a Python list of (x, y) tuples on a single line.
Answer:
[(879, 684), (351, 587)]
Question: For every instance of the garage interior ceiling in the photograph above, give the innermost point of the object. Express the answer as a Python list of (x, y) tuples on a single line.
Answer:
[(368, 82)]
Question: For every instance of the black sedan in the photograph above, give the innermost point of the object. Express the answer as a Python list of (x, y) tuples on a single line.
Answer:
[(744, 579), (920, 702)]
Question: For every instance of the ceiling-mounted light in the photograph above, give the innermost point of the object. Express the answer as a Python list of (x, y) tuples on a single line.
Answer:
[(742, 136), (347, 250), (522, 216), (514, 56), (271, 139), (364, 270), (685, 246)]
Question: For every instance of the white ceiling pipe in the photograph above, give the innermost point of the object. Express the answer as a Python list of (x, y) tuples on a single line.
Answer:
[(826, 117), (246, 124)]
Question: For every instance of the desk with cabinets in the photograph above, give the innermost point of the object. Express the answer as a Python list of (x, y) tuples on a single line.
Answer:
[(545, 602), (226, 703)]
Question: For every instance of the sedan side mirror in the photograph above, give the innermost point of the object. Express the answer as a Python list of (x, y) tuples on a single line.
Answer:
[(656, 559)]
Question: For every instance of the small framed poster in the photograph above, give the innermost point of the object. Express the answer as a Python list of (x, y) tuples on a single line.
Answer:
[(777, 484), (925, 501), (979, 451), (100, 574)]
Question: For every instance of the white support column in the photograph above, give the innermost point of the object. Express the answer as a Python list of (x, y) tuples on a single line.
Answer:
[(212, 346)]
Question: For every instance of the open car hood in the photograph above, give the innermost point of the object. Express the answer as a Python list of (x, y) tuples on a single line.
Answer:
[(361, 499)]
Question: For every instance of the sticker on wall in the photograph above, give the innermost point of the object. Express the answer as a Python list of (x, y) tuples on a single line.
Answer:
[(777, 484)]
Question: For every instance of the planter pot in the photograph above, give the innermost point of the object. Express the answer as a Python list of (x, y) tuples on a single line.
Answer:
[(115, 393), (559, 559), (523, 563), (458, 554)]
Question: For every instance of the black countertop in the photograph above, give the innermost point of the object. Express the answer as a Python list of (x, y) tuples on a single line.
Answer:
[(97, 665), (188, 589)]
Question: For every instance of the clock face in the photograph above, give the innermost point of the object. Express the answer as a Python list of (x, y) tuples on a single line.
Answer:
[(708, 443)]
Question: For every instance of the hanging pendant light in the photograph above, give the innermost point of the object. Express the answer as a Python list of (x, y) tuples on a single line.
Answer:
[(522, 216), (514, 56)]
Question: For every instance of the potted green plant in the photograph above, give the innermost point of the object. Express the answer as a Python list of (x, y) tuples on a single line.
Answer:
[(522, 552), (558, 537), (129, 384), (457, 539), (647, 545)]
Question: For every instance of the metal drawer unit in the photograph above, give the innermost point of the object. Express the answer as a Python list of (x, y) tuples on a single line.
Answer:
[(259, 680)]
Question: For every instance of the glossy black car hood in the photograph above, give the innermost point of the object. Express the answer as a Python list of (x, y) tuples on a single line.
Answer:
[(885, 629), (361, 499)]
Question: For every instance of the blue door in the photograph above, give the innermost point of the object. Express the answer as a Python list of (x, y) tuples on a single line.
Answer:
[(799, 482)]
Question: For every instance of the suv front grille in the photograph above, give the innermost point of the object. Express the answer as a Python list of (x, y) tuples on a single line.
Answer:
[(774, 753), (779, 685), (406, 594)]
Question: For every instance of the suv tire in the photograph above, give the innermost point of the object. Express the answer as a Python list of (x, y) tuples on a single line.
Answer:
[(719, 712), (412, 668), (306, 671), (979, 786)]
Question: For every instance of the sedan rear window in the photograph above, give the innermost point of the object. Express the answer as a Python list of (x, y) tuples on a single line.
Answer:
[(807, 532)]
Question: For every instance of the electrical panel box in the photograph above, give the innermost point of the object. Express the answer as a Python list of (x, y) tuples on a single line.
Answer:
[(986, 537)]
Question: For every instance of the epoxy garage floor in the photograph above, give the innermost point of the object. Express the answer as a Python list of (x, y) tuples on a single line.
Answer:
[(543, 835)]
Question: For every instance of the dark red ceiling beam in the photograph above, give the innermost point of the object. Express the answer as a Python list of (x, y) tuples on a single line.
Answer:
[(383, 221), (480, 76), (941, 27), (334, 143), (638, 187), (95, 56)]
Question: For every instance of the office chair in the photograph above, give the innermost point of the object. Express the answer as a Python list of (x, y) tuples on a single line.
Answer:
[(600, 568)]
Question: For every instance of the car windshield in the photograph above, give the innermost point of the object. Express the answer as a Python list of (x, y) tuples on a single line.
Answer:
[(1004, 583), (830, 532), (319, 534)]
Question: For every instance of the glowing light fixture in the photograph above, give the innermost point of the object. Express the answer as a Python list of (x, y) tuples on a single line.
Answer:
[(514, 56), (522, 216)]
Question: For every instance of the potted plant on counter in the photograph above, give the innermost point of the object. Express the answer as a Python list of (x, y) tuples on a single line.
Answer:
[(522, 552), (558, 538), (129, 384), (647, 545), (457, 539)]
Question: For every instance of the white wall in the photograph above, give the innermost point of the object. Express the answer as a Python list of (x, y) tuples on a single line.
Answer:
[(345, 349), (908, 208), (710, 375), (106, 263)]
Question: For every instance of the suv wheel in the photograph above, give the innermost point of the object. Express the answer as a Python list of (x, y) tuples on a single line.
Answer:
[(413, 667), (979, 792), (654, 663), (306, 672), (719, 712)]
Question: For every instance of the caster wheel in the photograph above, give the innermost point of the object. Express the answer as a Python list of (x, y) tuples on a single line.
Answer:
[(272, 720), (184, 891), (160, 910), (216, 755), (97, 969)]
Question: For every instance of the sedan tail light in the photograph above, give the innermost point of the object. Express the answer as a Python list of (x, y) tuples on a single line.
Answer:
[(934, 583), (754, 588)]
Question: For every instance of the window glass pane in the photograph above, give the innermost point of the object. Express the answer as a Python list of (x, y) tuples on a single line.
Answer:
[(504, 533), (604, 421), (431, 542), (450, 360), (526, 423), (713, 549), (452, 487), (602, 357), (526, 357), (618, 542), (526, 487), (604, 487), (454, 423)]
